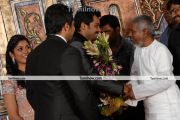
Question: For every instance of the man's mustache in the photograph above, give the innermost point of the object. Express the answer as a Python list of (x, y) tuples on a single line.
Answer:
[(176, 17)]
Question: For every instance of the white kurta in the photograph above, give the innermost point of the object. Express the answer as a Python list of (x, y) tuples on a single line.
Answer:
[(161, 97)]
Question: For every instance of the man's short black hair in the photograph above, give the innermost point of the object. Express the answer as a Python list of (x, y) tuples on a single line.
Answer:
[(85, 15), (170, 2), (111, 20), (56, 16)]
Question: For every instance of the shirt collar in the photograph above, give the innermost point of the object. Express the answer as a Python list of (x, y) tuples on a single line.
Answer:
[(79, 37), (61, 37)]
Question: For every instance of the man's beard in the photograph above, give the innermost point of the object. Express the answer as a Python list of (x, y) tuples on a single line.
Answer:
[(177, 22), (140, 44)]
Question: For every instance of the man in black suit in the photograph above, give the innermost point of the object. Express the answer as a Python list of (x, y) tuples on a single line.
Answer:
[(87, 23), (173, 6), (61, 100), (58, 100)]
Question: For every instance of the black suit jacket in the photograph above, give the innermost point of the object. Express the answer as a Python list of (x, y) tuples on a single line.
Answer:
[(111, 87), (58, 100), (174, 47)]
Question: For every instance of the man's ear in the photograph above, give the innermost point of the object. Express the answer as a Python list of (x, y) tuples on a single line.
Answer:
[(117, 29), (145, 31), (66, 26), (83, 26)]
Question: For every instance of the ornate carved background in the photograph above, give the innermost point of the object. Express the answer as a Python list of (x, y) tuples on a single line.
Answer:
[(151, 8), (3, 37), (3, 44), (128, 9)]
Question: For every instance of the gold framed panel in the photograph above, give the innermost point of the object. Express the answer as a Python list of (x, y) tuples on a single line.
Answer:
[(28, 18)]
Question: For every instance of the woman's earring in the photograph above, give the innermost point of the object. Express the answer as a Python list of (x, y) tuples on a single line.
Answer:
[(13, 60)]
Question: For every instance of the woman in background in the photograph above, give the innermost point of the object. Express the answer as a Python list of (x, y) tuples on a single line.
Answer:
[(14, 92)]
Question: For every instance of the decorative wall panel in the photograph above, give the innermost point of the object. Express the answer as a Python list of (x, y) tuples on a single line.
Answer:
[(28, 17), (3, 38), (3, 44), (151, 8), (7, 17)]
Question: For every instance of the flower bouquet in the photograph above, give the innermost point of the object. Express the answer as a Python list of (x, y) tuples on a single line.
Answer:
[(104, 65), (101, 55)]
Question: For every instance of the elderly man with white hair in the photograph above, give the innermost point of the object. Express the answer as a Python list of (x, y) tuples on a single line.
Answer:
[(151, 58)]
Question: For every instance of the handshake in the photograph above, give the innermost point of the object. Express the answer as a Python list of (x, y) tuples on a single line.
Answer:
[(128, 92), (115, 104)]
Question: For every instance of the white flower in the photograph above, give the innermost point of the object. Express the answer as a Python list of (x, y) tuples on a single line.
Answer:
[(91, 48), (103, 36)]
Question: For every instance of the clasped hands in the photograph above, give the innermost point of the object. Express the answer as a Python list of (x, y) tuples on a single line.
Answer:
[(128, 92)]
